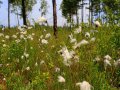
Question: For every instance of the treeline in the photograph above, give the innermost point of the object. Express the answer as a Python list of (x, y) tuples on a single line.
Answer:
[(104, 10)]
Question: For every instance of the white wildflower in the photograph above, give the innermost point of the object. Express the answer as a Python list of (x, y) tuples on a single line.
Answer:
[(57, 69), (36, 64), (87, 35), (97, 23), (42, 62), (20, 28), (14, 36), (66, 55), (7, 36), (48, 35), (41, 36), (107, 57), (27, 68), (33, 34), (3, 41), (72, 40), (26, 54), (93, 39), (22, 36), (84, 85), (43, 41), (17, 41), (4, 45), (3, 28), (117, 63), (22, 57), (4, 79), (29, 27), (61, 79), (41, 20), (83, 42), (97, 59), (106, 63), (78, 30)]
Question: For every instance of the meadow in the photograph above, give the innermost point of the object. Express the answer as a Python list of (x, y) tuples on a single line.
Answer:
[(33, 60)]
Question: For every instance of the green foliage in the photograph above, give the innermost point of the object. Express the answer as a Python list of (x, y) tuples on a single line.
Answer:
[(69, 8), (17, 5), (43, 7)]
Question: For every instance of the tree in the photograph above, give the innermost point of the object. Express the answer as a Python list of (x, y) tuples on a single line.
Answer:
[(0, 2), (24, 12), (54, 18), (25, 6), (9, 14), (70, 8), (43, 7)]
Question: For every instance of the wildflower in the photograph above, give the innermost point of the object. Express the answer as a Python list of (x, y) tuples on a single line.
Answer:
[(42, 62), (117, 63), (87, 35), (17, 41), (72, 40), (7, 37), (14, 36), (4, 79), (84, 85), (20, 28), (41, 20), (44, 30), (83, 42), (44, 41), (22, 57), (4, 45), (57, 69), (7, 64), (31, 47), (29, 27), (48, 35), (36, 64), (21, 36), (106, 63), (33, 34), (92, 39), (66, 55), (97, 24), (97, 59), (3, 28), (24, 32), (3, 41), (107, 57), (27, 68), (41, 36), (78, 30), (61, 79), (26, 54)]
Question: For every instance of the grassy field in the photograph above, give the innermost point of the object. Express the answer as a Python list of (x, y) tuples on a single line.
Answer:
[(28, 64)]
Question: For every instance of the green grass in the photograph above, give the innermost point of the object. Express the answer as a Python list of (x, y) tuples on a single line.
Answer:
[(43, 76)]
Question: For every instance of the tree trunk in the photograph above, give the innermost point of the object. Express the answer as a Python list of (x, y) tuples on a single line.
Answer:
[(77, 18), (82, 12), (54, 18), (17, 17), (9, 14), (24, 12), (89, 12)]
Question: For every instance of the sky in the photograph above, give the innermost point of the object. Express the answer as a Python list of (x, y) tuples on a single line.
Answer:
[(35, 14)]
